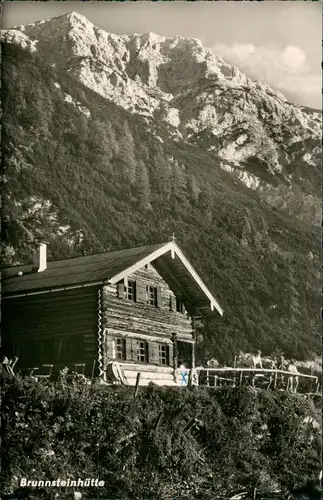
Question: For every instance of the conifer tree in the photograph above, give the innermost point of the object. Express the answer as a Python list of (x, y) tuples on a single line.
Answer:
[(178, 182), (193, 188), (162, 174), (126, 154), (142, 185)]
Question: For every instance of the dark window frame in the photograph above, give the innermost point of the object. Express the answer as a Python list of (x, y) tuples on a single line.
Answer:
[(151, 295), (120, 348), (163, 354), (142, 351), (131, 291)]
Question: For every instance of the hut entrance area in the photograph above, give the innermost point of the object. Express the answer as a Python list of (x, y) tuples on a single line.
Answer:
[(185, 354), (57, 328)]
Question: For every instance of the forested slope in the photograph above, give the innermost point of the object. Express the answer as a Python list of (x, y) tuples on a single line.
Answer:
[(87, 176)]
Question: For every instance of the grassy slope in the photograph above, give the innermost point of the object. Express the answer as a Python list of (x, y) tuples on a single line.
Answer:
[(109, 176)]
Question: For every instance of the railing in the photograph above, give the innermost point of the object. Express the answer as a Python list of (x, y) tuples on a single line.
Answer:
[(268, 377)]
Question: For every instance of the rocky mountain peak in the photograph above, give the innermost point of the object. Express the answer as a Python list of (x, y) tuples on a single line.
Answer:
[(258, 134)]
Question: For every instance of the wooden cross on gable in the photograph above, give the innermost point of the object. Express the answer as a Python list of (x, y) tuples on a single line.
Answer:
[(173, 241)]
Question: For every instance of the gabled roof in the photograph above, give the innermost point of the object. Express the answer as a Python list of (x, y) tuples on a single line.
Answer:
[(112, 267)]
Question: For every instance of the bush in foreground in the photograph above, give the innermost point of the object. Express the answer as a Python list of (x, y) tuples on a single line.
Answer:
[(169, 441)]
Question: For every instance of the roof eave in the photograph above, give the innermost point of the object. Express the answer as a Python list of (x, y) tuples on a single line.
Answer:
[(213, 302), (142, 262), (53, 289)]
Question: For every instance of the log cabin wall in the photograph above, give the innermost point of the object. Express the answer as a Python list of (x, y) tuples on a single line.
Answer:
[(126, 321), (59, 328)]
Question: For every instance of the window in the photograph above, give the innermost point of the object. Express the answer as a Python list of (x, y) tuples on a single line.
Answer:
[(142, 351), (131, 290), (163, 354), (120, 349), (151, 295), (179, 306)]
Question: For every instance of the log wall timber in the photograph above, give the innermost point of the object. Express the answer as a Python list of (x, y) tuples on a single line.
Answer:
[(136, 320), (58, 328), (158, 375)]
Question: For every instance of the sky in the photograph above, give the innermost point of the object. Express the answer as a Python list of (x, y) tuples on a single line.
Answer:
[(277, 42)]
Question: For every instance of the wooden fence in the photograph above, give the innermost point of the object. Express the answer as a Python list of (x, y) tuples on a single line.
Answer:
[(257, 377)]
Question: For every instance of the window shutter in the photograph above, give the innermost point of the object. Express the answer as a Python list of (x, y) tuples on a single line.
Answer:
[(159, 297), (173, 303), (109, 348), (170, 355), (140, 293), (120, 288), (131, 353), (153, 353)]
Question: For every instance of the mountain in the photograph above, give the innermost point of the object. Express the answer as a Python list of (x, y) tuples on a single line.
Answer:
[(265, 140), (112, 141)]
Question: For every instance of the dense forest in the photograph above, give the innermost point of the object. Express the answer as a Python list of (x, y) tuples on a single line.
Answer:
[(89, 177)]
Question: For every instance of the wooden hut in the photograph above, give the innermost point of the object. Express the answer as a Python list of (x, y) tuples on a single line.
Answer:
[(133, 308)]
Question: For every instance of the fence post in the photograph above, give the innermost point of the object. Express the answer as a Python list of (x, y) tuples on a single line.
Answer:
[(189, 380), (137, 384), (175, 355), (93, 368)]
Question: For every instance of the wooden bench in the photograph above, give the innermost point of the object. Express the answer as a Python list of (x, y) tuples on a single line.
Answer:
[(43, 371)]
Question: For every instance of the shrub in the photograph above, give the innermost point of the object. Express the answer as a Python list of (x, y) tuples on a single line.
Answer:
[(173, 441)]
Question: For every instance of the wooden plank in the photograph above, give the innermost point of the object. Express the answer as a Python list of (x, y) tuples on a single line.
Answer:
[(146, 329), (146, 368), (66, 315), (168, 382), (51, 298), (146, 316), (119, 333), (146, 336), (43, 299), (153, 376)]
